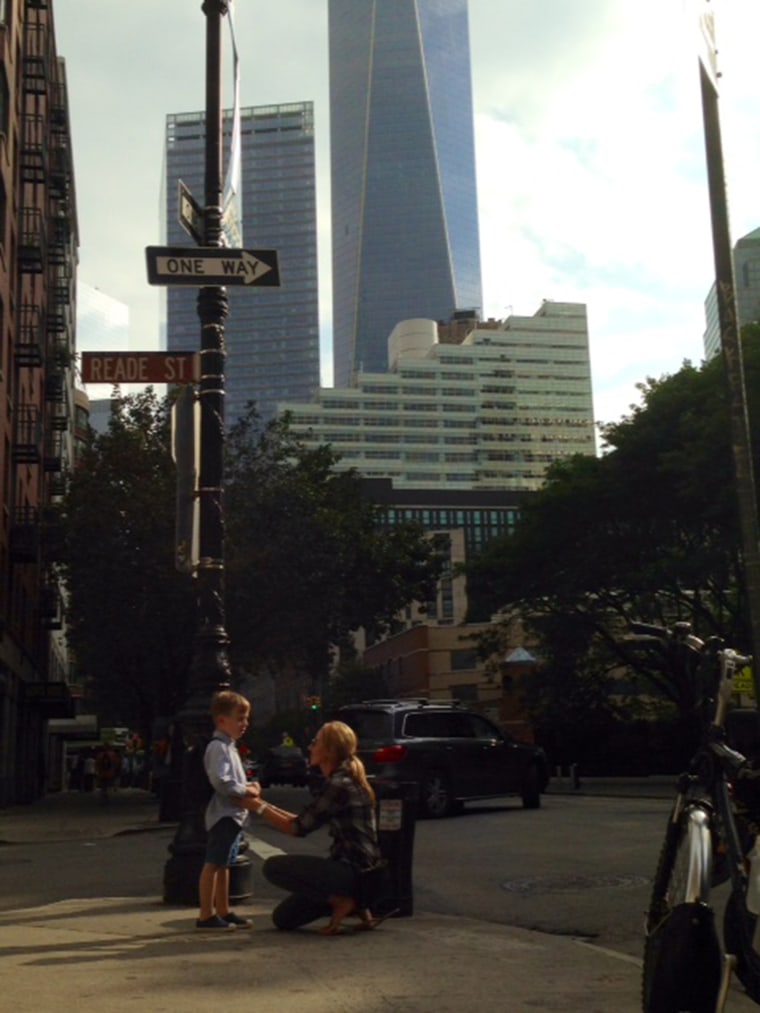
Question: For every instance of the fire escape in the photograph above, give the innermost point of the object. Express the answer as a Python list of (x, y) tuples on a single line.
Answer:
[(46, 306)]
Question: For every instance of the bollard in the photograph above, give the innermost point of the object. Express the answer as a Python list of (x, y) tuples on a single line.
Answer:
[(397, 804)]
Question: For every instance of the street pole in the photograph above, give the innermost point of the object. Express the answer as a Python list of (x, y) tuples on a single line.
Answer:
[(730, 341), (210, 668)]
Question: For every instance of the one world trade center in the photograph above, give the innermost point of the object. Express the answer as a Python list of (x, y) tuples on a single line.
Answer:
[(404, 202)]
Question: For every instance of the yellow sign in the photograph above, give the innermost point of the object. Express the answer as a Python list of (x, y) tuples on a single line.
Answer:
[(743, 682)]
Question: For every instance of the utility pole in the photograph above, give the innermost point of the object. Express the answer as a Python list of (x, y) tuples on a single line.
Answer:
[(210, 668), (730, 339)]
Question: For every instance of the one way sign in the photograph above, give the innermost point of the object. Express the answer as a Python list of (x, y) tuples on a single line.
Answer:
[(211, 265)]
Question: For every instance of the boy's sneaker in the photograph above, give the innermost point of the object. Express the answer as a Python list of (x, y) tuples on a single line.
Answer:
[(214, 922), (236, 922)]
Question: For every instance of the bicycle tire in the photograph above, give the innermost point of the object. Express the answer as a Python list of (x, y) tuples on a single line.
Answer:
[(682, 954), (738, 929)]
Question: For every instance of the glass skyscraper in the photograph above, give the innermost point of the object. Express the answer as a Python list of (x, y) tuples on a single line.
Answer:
[(404, 203), (271, 334)]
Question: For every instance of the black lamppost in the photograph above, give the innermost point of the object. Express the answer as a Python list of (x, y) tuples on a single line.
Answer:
[(210, 666)]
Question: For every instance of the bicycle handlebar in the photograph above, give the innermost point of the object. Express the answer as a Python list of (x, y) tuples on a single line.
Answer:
[(660, 636), (649, 630)]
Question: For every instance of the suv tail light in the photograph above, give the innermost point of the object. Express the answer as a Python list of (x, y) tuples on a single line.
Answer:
[(389, 754)]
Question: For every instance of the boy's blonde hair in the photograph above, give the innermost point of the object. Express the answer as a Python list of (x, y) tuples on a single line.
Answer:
[(227, 702)]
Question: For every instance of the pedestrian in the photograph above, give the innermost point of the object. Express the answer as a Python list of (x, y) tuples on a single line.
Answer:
[(327, 887), (125, 776), (107, 766), (76, 777), (225, 814), (88, 772)]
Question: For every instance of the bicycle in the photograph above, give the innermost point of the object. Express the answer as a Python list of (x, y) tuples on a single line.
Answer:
[(709, 834)]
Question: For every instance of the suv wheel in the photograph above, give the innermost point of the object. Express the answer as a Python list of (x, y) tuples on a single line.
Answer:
[(531, 788), (435, 795)]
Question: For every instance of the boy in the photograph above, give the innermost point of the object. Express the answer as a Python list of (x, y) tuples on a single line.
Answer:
[(224, 813)]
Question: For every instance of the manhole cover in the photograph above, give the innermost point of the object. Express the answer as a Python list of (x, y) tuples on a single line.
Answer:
[(570, 884)]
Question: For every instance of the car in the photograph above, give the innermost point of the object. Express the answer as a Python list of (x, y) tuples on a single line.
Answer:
[(454, 754), (283, 765)]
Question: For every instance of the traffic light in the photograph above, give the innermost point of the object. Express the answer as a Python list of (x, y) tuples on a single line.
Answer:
[(313, 702)]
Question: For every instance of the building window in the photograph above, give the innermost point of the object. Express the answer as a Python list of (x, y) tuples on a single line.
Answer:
[(466, 692), (464, 660)]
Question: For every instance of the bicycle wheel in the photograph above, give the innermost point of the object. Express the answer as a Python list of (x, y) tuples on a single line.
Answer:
[(738, 929), (682, 955)]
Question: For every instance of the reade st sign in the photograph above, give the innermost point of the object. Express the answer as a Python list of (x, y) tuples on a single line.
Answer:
[(139, 367)]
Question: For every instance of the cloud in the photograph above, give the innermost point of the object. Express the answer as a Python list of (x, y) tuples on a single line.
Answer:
[(590, 153)]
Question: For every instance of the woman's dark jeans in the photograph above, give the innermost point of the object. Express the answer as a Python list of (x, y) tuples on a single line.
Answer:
[(310, 881)]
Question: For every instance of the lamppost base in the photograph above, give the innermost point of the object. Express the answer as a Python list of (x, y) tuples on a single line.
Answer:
[(182, 871)]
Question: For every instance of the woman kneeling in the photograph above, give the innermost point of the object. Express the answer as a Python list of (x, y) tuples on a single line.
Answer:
[(330, 886)]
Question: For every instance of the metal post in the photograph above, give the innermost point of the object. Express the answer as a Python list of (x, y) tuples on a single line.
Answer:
[(210, 668), (732, 363)]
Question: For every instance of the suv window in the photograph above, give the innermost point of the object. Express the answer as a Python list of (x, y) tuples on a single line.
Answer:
[(429, 726), (480, 728), (368, 725)]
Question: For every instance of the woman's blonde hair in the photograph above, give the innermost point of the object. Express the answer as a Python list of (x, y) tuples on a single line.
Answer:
[(340, 743)]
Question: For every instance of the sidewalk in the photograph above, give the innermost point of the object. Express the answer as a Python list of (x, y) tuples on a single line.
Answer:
[(118, 954)]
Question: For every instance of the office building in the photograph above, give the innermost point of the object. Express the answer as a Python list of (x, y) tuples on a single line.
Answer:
[(404, 207), (467, 406), (747, 282), (39, 240), (271, 334)]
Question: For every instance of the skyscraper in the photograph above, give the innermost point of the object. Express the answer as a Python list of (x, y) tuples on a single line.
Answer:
[(747, 281), (271, 334), (404, 206)]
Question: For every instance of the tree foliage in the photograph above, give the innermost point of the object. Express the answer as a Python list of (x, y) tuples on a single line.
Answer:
[(648, 531), (308, 560), (130, 615)]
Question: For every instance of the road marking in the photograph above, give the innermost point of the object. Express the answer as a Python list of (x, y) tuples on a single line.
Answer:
[(625, 957), (261, 849)]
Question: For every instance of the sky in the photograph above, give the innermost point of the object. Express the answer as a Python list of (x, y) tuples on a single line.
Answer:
[(589, 148)]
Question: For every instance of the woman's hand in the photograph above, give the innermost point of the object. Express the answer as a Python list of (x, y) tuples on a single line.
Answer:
[(250, 802)]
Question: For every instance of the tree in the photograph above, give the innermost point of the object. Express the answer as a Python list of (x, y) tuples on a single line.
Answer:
[(648, 531), (130, 615), (309, 559)]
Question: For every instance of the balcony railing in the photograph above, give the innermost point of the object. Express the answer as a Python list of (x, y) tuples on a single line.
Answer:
[(36, 58), (54, 451), (32, 241), (51, 607), (34, 151), (55, 384), (27, 435), (24, 541), (30, 337)]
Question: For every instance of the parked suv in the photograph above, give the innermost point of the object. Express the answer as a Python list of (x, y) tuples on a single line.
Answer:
[(454, 754), (283, 765)]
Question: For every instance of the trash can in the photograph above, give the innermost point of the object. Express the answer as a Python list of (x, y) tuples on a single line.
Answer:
[(396, 817)]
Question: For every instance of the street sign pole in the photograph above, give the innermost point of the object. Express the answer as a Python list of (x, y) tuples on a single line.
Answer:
[(190, 215), (210, 669), (730, 338)]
